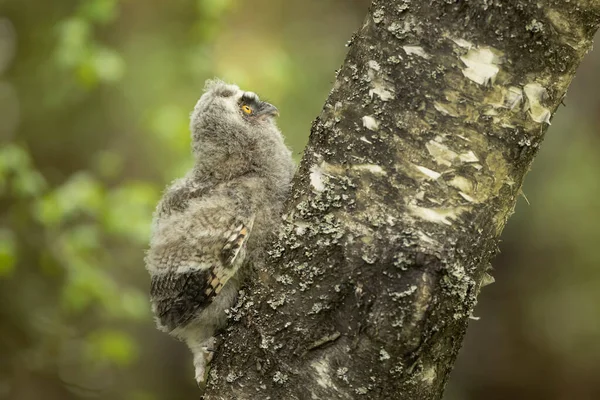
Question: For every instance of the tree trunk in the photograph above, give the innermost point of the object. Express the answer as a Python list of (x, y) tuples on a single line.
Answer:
[(412, 169)]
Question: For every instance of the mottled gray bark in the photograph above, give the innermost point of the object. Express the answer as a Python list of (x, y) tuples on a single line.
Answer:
[(411, 172)]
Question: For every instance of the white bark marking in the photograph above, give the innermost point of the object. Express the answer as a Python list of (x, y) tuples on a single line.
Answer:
[(385, 93), (428, 172), (370, 123), (443, 109), (462, 43), (416, 50), (535, 94), (468, 157), (428, 375), (482, 66), (437, 215), (378, 85), (513, 97), (373, 168), (441, 153)]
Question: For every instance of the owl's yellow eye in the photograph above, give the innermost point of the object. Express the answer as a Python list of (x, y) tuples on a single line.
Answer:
[(246, 109)]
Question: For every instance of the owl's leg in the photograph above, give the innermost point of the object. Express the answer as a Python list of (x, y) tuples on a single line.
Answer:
[(203, 354)]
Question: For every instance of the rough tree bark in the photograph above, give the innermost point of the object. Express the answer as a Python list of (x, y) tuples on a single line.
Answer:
[(412, 169)]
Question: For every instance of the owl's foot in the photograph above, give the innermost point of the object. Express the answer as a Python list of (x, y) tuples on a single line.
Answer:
[(202, 358)]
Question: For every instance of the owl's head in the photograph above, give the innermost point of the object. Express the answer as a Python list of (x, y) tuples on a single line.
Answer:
[(234, 132), (225, 110)]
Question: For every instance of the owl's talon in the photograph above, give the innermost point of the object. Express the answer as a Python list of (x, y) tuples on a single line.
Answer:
[(200, 364)]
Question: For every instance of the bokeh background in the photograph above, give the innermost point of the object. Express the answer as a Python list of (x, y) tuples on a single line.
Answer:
[(94, 104)]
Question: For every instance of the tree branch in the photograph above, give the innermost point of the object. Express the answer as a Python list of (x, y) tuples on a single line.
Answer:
[(412, 169)]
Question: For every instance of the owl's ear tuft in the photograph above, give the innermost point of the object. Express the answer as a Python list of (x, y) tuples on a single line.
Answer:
[(219, 88)]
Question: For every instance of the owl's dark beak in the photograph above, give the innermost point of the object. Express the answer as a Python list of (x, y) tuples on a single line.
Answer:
[(268, 109)]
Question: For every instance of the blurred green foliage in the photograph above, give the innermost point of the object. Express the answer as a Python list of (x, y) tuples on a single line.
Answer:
[(94, 103), (95, 97)]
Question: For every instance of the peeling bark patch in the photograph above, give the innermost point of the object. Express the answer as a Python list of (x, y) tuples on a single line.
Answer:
[(481, 66), (445, 109), (504, 98), (466, 197), (486, 280), (465, 188), (536, 94), (468, 157), (571, 34), (370, 123), (499, 168), (379, 86), (431, 174), (513, 97), (462, 43), (417, 51), (461, 183), (372, 168), (428, 375), (385, 93), (437, 215), (441, 153)]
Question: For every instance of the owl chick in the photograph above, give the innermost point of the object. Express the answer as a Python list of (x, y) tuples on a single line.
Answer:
[(210, 223)]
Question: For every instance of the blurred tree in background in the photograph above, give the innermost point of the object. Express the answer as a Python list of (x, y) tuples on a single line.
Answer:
[(94, 104)]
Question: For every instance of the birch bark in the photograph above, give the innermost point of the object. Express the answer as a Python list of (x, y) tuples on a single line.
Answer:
[(410, 174)]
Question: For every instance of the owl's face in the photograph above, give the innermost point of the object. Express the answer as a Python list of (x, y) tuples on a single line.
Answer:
[(234, 133), (225, 104), (254, 110)]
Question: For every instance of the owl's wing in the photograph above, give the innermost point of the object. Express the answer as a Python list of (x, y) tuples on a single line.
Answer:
[(230, 257), (235, 242), (178, 296)]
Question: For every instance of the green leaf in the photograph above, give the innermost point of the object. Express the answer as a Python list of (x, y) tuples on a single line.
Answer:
[(73, 41), (134, 304), (129, 210), (15, 167), (108, 164), (214, 8), (87, 285), (112, 346), (13, 158), (80, 241), (47, 210), (101, 11), (108, 65), (29, 183), (76, 296), (8, 253), (170, 124), (100, 65), (81, 194)]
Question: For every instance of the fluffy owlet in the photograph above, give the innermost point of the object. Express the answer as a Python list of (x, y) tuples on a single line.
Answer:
[(211, 222)]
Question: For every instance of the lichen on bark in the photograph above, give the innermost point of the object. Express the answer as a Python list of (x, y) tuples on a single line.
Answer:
[(410, 174)]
